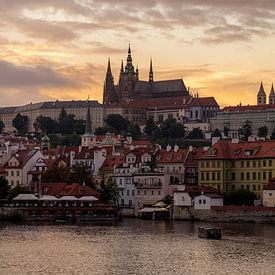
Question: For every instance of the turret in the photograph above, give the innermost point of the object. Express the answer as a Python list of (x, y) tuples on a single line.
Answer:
[(151, 75), (272, 95), (129, 68), (137, 73), (109, 88), (261, 96)]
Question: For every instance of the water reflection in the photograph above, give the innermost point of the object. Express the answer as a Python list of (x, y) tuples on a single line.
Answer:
[(136, 247)]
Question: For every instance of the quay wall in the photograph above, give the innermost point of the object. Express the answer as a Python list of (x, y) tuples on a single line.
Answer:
[(253, 214)]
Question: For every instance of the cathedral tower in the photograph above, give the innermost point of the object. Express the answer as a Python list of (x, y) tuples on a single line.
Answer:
[(109, 88), (272, 95), (261, 96)]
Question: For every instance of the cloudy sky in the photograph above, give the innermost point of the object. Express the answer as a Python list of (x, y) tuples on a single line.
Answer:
[(58, 49)]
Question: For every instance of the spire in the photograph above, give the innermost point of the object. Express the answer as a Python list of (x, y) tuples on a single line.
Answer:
[(129, 68), (137, 72), (261, 90), (151, 75), (122, 67), (272, 91), (88, 128)]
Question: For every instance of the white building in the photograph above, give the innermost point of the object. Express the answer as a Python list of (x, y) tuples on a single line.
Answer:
[(205, 201)]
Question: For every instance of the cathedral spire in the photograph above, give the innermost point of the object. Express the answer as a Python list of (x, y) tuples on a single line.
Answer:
[(122, 67), (137, 73), (151, 75), (108, 91), (88, 128)]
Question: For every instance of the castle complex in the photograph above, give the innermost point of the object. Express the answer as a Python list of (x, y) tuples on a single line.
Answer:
[(129, 86)]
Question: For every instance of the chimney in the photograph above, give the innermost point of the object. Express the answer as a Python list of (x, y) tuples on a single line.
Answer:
[(176, 148), (168, 148), (190, 148)]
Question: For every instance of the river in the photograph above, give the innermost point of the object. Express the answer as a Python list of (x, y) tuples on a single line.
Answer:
[(136, 247)]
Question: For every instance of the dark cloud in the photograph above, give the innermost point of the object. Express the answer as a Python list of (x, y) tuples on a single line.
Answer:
[(15, 76)]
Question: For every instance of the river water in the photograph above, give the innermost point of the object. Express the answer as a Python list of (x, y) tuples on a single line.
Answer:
[(136, 247)]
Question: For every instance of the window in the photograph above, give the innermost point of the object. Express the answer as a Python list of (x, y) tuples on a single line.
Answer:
[(207, 164), (122, 201), (213, 164), (233, 176), (18, 173), (213, 176), (202, 164), (242, 176), (196, 114), (218, 176), (254, 187), (247, 164), (138, 192), (270, 162), (207, 176), (128, 193), (259, 163), (270, 194), (269, 174), (130, 203), (247, 176), (12, 173), (242, 164), (218, 164), (202, 176), (254, 163), (259, 187), (259, 175), (133, 192), (242, 187), (152, 192), (254, 175), (204, 201), (264, 163), (264, 175), (247, 187), (144, 192)]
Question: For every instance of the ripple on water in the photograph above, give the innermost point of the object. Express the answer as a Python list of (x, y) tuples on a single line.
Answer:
[(136, 247)]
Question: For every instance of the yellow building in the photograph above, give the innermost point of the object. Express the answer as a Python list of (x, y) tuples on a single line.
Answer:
[(231, 166)]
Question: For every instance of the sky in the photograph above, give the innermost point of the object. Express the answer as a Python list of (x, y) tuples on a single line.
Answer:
[(58, 49)]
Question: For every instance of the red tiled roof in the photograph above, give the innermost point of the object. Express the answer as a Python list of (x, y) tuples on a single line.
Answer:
[(203, 101), (164, 156), (22, 156), (68, 189), (270, 185), (112, 161), (224, 149), (248, 108)]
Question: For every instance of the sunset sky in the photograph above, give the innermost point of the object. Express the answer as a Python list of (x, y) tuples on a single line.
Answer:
[(58, 49)]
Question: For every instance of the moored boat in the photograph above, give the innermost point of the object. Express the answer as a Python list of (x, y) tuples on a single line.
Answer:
[(210, 233)]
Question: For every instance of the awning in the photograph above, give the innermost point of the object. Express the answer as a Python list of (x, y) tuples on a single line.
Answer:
[(25, 197)]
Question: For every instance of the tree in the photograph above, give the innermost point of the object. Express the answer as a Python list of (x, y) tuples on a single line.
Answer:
[(217, 133), (2, 126), (263, 131), (170, 128), (80, 174), (196, 133), (272, 136), (19, 190), (226, 131), (55, 174), (4, 188), (20, 123), (101, 131), (150, 127), (240, 197), (117, 123), (134, 130), (45, 124), (109, 191), (246, 130), (79, 126)]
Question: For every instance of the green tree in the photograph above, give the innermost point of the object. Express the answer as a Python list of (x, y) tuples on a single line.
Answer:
[(109, 191), (55, 174), (71, 140), (272, 136), (101, 131), (80, 174), (79, 126), (246, 130), (240, 197), (170, 128), (150, 127), (226, 131), (2, 126), (196, 133), (20, 123), (19, 190), (55, 140), (117, 123), (4, 188), (217, 133), (263, 131), (134, 130), (45, 124)]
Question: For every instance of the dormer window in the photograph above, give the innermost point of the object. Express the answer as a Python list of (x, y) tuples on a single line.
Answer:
[(212, 152)]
